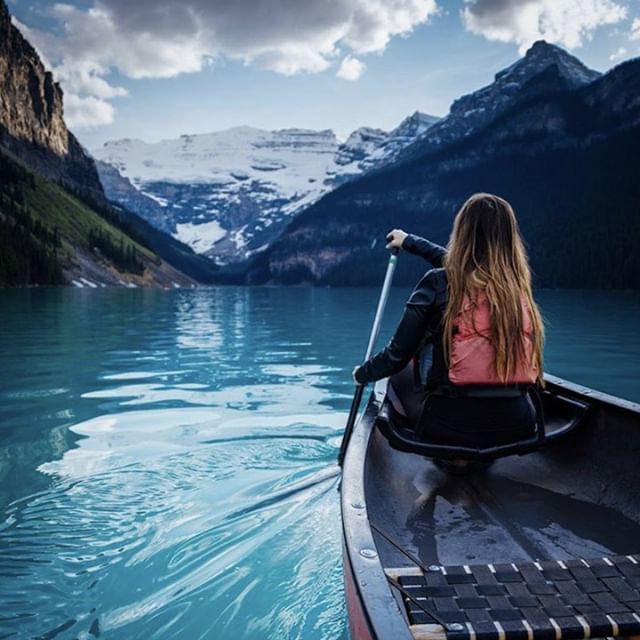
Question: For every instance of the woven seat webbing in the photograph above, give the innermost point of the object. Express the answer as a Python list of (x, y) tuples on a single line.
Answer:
[(547, 600)]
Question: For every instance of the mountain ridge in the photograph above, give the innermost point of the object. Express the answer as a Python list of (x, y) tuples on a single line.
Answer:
[(478, 108), (237, 212), (563, 136)]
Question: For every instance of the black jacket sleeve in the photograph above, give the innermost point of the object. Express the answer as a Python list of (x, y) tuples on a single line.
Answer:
[(407, 337), (422, 247)]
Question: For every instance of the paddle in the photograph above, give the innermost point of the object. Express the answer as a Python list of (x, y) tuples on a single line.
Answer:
[(357, 397)]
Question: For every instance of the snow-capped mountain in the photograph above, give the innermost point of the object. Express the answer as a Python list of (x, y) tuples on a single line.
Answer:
[(407, 132), (229, 193), (372, 148)]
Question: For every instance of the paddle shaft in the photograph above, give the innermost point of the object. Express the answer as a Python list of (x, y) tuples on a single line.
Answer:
[(357, 396)]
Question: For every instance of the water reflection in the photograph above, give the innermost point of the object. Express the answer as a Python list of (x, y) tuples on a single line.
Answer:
[(197, 326)]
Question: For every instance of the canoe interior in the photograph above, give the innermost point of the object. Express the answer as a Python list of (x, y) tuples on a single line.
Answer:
[(577, 498)]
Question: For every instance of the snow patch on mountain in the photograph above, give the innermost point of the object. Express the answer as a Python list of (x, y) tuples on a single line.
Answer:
[(228, 193), (200, 237)]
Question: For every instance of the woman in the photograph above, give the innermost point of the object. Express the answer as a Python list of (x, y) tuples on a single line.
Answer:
[(473, 331)]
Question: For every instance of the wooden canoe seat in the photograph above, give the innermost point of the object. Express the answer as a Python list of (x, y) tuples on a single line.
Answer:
[(546, 600)]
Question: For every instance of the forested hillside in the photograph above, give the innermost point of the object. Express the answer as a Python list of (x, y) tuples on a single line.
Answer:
[(48, 236)]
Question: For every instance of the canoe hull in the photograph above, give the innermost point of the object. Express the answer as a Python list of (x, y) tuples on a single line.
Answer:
[(358, 624)]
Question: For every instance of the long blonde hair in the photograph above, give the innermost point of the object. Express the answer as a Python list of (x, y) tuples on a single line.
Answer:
[(486, 254)]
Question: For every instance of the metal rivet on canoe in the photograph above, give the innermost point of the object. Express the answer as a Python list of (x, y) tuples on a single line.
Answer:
[(368, 553), (455, 626)]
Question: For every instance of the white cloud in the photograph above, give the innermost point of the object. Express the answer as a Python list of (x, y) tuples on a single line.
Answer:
[(621, 52), (86, 112), (374, 22), (635, 29), (84, 77), (164, 38), (564, 22), (351, 68), (292, 59)]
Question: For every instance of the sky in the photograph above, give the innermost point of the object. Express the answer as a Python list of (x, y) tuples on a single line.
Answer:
[(156, 69)]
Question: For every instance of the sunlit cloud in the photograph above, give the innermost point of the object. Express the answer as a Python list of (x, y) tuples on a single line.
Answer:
[(620, 53), (351, 68), (565, 22)]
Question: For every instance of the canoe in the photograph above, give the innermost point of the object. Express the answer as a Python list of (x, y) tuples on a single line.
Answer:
[(538, 546)]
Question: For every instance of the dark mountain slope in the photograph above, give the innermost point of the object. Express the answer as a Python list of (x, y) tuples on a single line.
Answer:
[(56, 225), (565, 155)]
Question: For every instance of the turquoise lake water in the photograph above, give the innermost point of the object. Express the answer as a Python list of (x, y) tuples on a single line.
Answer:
[(167, 458)]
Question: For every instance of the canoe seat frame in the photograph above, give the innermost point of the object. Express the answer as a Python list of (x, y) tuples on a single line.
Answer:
[(402, 436)]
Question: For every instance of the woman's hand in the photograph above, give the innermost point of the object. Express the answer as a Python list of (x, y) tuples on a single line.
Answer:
[(395, 238)]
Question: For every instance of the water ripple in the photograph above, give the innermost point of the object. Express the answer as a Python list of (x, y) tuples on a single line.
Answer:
[(187, 500)]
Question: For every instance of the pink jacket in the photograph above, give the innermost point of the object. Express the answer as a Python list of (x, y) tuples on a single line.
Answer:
[(472, 358)]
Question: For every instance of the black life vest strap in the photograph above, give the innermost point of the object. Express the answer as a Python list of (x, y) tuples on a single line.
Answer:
[(480, 391)]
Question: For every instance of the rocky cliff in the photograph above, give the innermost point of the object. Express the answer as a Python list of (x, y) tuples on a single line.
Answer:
[(32, 125)]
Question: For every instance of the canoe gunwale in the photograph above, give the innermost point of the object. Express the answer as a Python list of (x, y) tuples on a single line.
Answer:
[(592, 395), (385, 618)]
